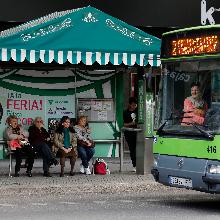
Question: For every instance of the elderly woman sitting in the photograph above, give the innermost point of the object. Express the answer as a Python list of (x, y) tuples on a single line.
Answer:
[(17, 138), (85, 144), (39, 138)]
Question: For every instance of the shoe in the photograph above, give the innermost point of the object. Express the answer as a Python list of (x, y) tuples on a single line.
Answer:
[(87, 171), (72, 173), (28, 173), (81, 169), (61, 174), (47, 174), (134, 169), (16, 174)]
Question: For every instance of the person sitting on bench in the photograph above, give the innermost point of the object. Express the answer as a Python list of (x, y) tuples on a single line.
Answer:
[(39, 138), (17, 138)]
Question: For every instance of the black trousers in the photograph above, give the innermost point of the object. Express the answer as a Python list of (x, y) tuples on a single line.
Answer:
[(131, 138), (44, 150), (26, 151)]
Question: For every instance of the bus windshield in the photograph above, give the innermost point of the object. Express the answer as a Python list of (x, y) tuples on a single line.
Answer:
[(190, 98)]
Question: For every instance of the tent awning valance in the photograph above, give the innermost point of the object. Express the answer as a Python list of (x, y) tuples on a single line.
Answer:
[(83, 35), (75, 57)]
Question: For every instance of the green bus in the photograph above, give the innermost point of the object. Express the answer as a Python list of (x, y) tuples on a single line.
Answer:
[(187, 150)]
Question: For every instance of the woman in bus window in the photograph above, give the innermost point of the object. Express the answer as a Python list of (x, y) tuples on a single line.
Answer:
[(195, 107)]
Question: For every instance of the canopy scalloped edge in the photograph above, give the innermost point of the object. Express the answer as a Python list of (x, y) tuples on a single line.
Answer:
[(75, 57)]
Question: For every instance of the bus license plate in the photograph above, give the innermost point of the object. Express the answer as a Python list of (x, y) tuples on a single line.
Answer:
[(180, 181)]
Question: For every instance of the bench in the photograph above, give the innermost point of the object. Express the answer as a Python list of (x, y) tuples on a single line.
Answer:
[(8, 152)]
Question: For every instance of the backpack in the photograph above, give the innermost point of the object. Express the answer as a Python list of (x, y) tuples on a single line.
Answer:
[(100, 167)]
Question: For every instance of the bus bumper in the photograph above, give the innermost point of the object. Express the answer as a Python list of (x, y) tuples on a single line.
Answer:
[(190, 173)]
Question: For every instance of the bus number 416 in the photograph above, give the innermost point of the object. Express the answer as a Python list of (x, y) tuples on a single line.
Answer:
[(211, 149)]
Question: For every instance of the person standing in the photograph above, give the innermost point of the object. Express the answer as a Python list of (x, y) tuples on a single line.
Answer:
[(65, 139), (16, 134), (129, 118), (85, 144), (39, 138)]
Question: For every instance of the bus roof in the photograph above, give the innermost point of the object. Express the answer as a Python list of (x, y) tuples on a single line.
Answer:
[(192, 28)]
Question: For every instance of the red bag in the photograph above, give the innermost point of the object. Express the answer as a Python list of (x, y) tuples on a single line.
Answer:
[(100, 167), (14, 144)]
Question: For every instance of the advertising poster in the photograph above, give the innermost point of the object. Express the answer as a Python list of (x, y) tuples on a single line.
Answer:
[(26, 107)]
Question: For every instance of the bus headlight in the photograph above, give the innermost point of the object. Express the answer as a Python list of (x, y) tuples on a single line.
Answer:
[(215, 169)]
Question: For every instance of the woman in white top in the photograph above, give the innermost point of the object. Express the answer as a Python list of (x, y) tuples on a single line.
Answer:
[(85, 144)]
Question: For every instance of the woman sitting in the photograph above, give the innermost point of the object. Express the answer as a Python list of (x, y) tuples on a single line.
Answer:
[(85, 144), (17, 139), (194, 107), (39, 138), (65, 140)]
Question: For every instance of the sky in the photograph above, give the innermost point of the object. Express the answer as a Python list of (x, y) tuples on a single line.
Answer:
[(159, 13)]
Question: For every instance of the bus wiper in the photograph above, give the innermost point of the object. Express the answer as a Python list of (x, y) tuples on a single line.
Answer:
[(205, 133), (160, 129)]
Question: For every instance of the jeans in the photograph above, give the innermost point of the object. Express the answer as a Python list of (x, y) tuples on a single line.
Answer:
[(85, 153), (44, 150)]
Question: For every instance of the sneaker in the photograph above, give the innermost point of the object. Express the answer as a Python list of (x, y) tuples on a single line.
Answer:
[(87, 171), (134, 169), (81, 169)]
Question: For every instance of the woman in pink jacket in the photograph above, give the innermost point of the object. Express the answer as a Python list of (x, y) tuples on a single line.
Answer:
[(195, 107)]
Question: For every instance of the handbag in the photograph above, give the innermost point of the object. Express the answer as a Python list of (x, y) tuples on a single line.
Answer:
[(14, 144), (84, 143), (101, 167)]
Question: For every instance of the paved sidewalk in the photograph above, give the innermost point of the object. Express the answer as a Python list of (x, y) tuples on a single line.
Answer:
[(116, 182)]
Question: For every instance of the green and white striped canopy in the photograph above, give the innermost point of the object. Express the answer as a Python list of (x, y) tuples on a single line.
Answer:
[(80, 35)]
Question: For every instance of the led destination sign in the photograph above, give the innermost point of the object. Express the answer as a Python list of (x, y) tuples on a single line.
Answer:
[(195, 46), (191, 42)]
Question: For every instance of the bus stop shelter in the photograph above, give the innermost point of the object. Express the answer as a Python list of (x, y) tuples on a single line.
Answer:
[(69, 38)]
